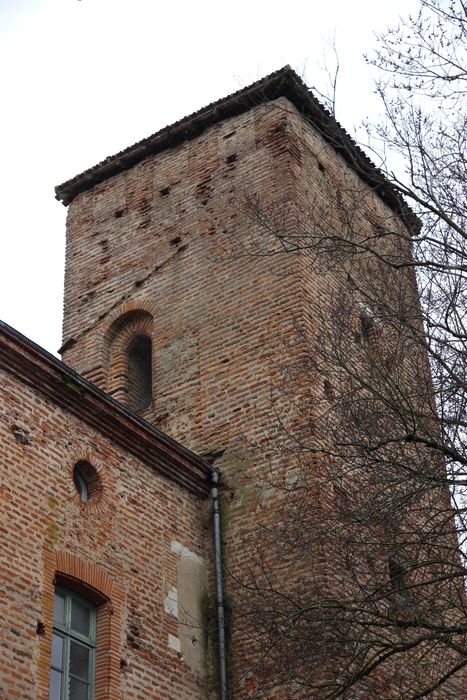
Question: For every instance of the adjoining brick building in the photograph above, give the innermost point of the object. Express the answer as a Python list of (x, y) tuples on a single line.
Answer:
[(162, 318), (132, 546)]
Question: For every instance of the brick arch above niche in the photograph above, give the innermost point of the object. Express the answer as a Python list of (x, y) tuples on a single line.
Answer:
[(128, 307), (131, 323), (89, 575)]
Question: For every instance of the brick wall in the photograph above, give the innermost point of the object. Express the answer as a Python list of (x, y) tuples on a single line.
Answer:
[(125, 549)]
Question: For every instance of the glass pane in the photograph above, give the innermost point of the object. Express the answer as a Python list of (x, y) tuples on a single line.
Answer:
[(59, 608), (79, 660), (81, 485), (78, 690), (57, 651), (80, 617), (55, 686)]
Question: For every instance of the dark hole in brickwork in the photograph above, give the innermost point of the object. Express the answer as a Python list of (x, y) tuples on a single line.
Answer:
[(133, 641), (328, 389), (133, 629), (342, 501), (140, 373), (104, 244), (20, 435), (175, 241), (231, 159), (144, 224), (144, 206), (84, 298), (227, 136), (321, 167), (164, 191), (367, 327), (133, 635), (397, 575), (204, 190), (380, 230), (119, 213)]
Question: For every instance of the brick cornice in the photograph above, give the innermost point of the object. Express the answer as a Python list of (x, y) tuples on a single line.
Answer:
[(283, 83), (35, 367)]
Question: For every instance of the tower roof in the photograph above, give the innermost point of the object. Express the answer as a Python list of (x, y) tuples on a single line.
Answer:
[(282, 83)]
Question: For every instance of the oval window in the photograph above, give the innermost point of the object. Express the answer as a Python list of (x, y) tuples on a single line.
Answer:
[(86, 481)]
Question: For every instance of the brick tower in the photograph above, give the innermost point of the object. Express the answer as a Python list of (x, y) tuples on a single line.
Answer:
[(172, 307)]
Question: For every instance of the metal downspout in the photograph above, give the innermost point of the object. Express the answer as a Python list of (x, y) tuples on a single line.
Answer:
[(219, 586)]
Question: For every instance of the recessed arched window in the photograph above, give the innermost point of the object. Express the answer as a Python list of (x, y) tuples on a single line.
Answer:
[(129, 345), (139, 373)]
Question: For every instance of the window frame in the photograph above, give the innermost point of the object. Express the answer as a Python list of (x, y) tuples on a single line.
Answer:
[(65, 632)]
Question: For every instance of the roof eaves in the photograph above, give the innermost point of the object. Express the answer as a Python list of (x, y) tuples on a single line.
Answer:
[(36, 367), (181, 130), (282, 83)]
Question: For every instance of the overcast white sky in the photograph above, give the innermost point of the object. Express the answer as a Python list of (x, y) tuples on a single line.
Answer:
[(82, 79)]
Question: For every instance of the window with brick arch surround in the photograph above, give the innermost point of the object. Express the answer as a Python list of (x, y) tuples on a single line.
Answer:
[(128, 345), (73, 647), (139, 373)]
